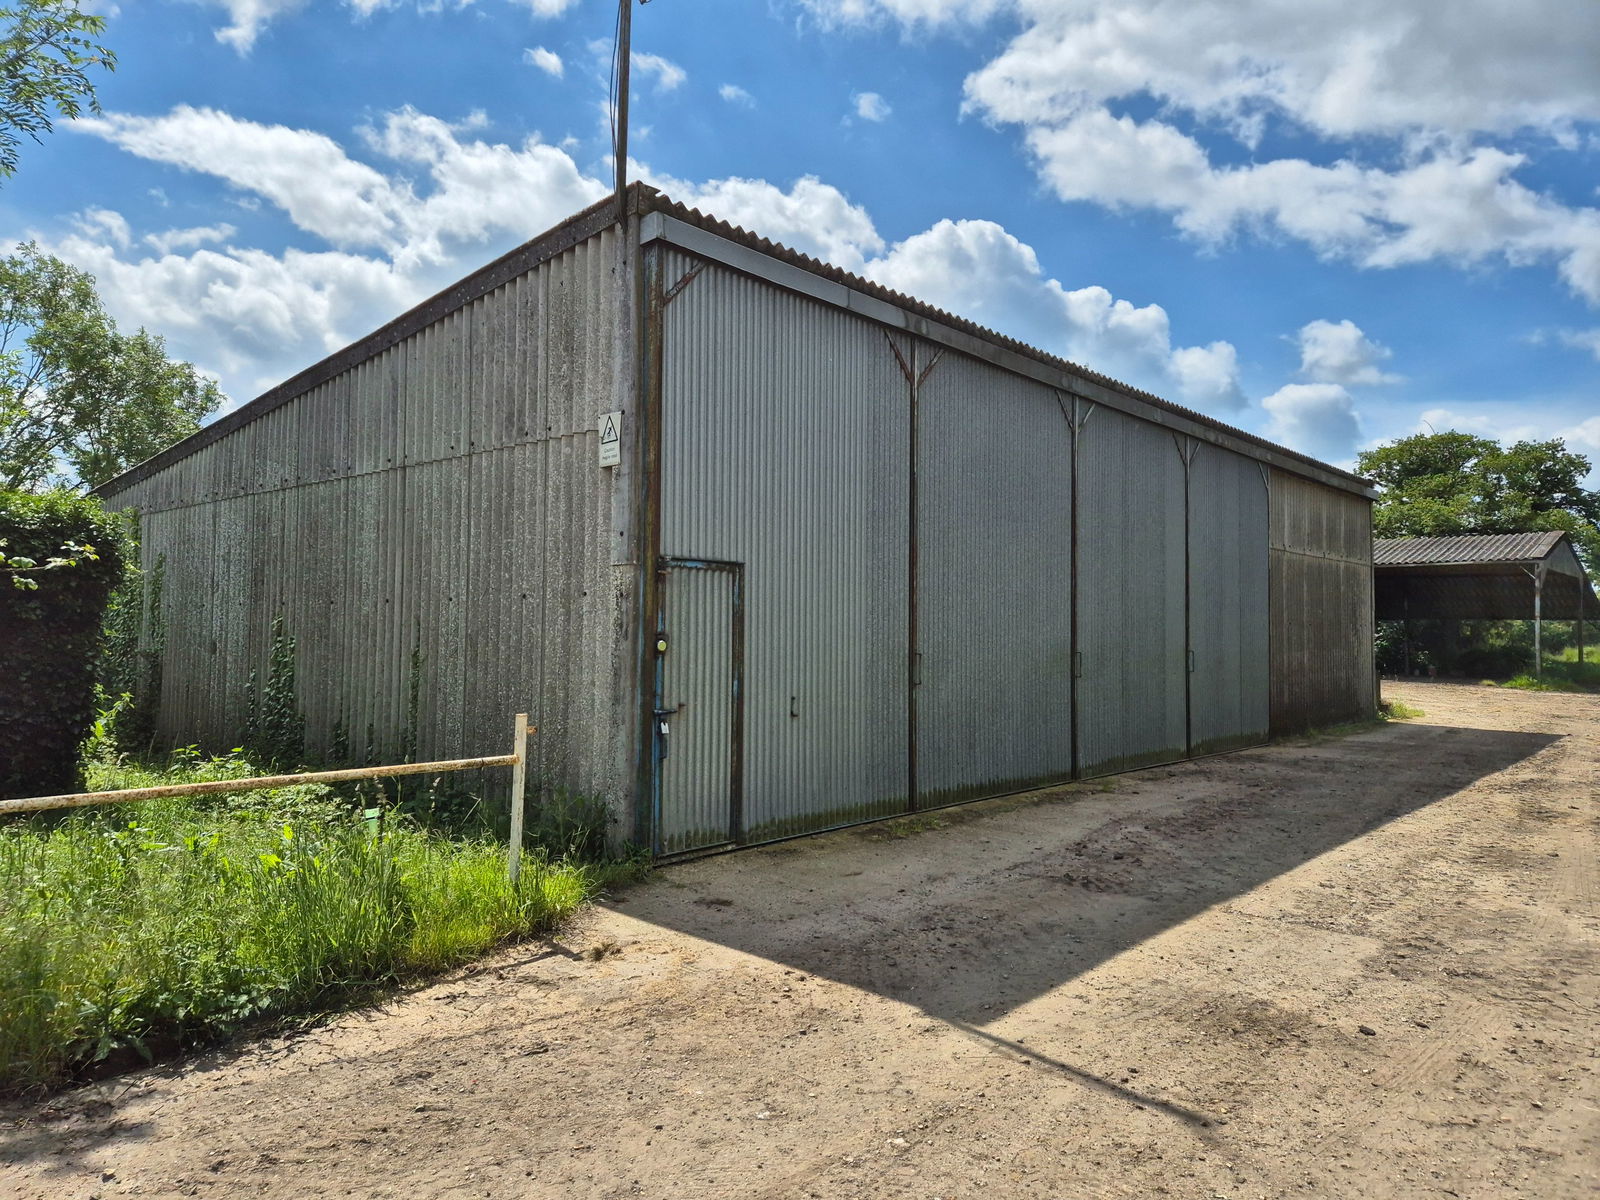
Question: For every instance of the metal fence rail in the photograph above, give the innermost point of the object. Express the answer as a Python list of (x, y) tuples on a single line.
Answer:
[(517, 760)]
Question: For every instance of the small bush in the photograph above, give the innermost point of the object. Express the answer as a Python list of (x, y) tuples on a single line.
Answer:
[(50, 632)]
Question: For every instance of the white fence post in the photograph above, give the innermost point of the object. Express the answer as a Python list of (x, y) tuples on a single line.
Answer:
[(519, 781)]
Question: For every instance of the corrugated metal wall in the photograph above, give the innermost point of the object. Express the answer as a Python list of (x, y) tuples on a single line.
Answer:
[(1228, 518), (786, 447), (994, 583), (1131, 614), (1321, 593), (696, 785), (431, 522)]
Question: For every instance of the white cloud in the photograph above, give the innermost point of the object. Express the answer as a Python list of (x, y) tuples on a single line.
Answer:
[(102, 222), (547, 61), (813, 217), (1581, 339), (393, 236), (187, 239), (546, 8), (668, 74), (1341, 353), (1585, 438), (1339, 68), (1314, 418), (870, 106), (977, 270), (1407, 98), (479, 189), (248, 18), (734, 94), (910, 12)]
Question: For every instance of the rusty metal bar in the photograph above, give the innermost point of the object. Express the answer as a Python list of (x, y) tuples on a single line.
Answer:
[(256, 783)]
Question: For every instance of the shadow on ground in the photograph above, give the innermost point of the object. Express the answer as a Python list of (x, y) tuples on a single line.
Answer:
[(1001, 902)]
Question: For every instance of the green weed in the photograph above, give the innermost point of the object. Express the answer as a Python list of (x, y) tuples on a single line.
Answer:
[(136, 930)]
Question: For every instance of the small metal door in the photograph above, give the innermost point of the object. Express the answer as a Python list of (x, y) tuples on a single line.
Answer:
[(697, 726)]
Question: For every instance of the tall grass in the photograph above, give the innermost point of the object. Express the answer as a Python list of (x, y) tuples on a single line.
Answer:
[(136, 930)]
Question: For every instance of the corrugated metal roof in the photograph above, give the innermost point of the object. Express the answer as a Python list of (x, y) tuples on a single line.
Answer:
[(1464, 548)]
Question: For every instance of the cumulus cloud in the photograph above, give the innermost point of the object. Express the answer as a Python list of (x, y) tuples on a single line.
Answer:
[(1314, 418), (1581, 339), (479, 188), (870, 106), (247, 18), (978, 270), (546, 8), (668, 74), (1341, 353), (186, 239), (547, 61), (734, 94), (429, 200), (437, 203), (1585, 437), (813, 217), (1407, 97)]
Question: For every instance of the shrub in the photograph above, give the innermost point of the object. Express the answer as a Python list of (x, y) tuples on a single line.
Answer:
[(51, 610)]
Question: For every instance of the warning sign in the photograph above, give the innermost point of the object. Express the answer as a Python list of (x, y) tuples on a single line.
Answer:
[(610, 439)]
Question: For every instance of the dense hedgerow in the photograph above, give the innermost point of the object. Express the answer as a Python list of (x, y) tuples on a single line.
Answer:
[(50, 632)]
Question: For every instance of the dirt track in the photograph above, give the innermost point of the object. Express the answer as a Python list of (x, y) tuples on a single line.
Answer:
[(1164, 989)]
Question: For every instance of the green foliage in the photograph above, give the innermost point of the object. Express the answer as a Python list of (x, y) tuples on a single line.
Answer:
[(136, 930), (1447, 483), (50, 636), (79, 401), (275, 728), (135, 646), (1398, 710), (46, 49)]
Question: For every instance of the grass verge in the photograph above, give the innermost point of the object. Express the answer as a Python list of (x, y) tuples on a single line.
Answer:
[(138, 930)]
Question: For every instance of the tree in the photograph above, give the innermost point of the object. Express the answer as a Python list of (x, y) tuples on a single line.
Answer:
[(80, 402), (1437, 484), (46, 50)]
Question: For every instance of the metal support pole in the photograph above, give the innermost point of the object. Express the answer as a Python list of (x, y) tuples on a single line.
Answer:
[(1583, 587), (624, 51), (519, 783)]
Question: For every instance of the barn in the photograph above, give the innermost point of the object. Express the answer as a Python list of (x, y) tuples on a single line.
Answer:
[(762, 547)]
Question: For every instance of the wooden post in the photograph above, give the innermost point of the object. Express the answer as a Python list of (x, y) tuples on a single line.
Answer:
[(519, 783), (1538, 623)]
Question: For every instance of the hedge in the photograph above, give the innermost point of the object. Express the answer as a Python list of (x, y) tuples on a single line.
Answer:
[(50, 635)]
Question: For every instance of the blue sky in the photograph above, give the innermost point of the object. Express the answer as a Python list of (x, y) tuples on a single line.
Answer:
[(1333, 222)]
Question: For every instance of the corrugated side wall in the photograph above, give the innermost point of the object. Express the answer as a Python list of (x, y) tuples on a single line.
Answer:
[(1321, 598), (1131, 616), (786, 447), (435, 532), (1228, 600), (994, 583)]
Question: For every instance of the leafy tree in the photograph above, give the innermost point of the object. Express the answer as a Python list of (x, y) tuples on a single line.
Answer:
[(79, 400), (1437, 484), (46, 50)]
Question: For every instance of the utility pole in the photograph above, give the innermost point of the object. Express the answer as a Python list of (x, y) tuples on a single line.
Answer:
[(624, 52)]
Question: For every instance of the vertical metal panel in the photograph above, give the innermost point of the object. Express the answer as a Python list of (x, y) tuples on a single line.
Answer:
[(1321, 601), (994, 576), (785, 447), (437, 504), (1131, 622), (1228, 614), (696, 787)]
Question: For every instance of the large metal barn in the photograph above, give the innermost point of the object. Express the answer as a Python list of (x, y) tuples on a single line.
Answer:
[(763, 548)]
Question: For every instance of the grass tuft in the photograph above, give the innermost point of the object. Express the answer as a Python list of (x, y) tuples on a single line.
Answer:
[(136, 930), (1399, 710)]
